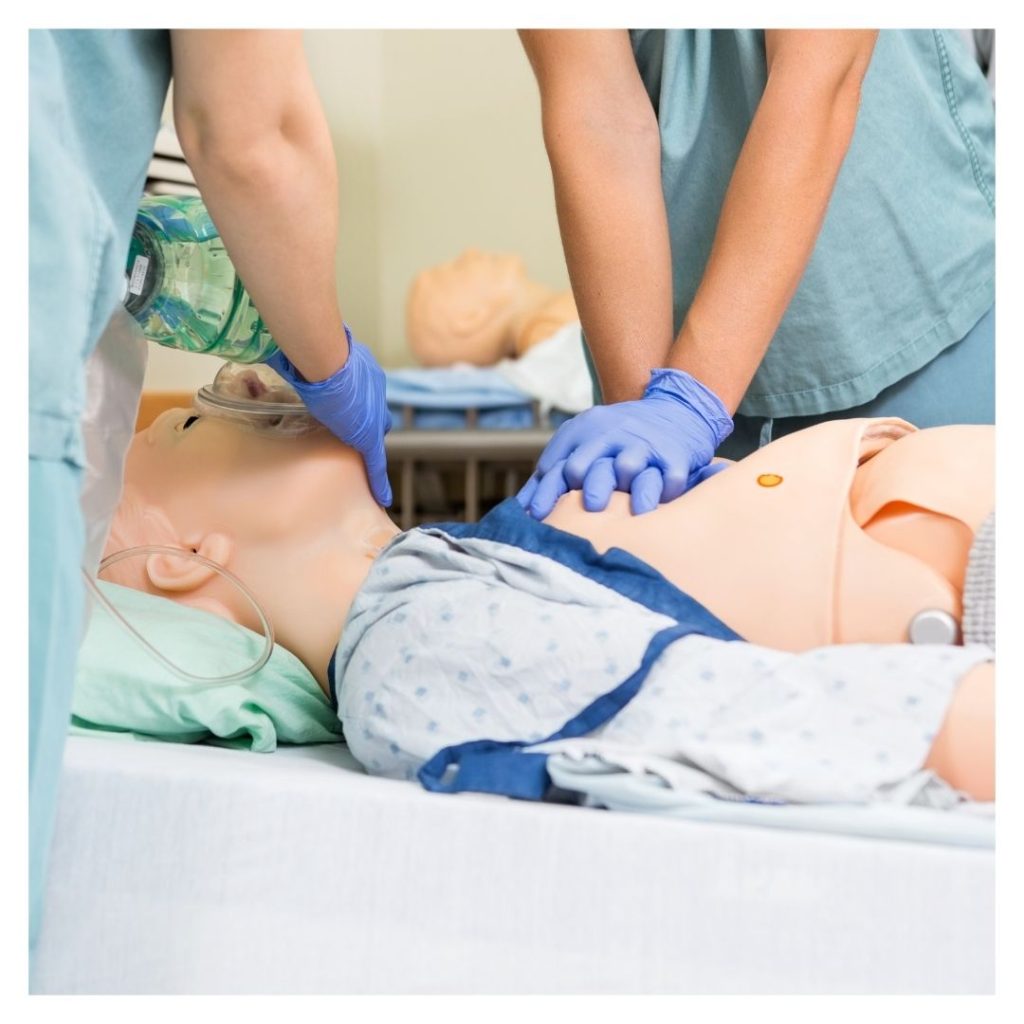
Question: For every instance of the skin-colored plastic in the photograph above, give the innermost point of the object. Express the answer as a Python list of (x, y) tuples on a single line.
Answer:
[(479, 308), (863, 524), (812, 540), (292, 517)]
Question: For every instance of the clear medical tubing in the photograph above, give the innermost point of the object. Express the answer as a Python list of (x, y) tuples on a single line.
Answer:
[(183, 290), (181, 673)]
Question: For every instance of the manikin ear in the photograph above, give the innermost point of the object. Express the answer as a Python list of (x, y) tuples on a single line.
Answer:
[(180, 573)]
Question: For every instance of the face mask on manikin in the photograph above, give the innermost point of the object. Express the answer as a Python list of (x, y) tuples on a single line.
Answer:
[(256, 397)]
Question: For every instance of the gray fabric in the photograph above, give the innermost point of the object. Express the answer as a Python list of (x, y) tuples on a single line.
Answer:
[(451, 640), (979, 622), (920, 809), (458, 639)]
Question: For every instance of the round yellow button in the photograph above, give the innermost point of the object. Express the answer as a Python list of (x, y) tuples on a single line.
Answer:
[(769, 480)]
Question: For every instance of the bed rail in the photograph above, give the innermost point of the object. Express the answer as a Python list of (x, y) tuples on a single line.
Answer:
[(439, 475)]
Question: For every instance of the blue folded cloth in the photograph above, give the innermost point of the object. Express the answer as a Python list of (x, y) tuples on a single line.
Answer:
[(440, 398), (518, 417), (447, 387)]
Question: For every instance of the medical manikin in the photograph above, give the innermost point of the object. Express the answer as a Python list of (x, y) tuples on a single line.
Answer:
[(854, 537), (479, 308)]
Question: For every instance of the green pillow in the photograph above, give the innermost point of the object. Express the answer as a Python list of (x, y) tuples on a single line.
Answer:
[(120, 688)]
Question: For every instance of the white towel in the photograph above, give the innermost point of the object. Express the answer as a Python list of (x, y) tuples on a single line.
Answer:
[(554, 371)]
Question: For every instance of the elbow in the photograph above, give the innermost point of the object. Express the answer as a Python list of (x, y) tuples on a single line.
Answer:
[(259, 158), (841, 108), (232, 161), (844, 94), (827, 106), (628, 131), (828, 92)]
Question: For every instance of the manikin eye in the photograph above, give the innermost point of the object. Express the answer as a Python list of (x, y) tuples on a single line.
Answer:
[(188, 423)]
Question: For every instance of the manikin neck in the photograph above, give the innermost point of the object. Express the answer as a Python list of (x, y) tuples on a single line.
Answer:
[(308, 599), (311, 627), (531, 297)]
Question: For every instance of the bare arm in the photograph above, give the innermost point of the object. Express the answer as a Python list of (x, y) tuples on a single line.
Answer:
[(775, 204), (602, 140), (254, 134)]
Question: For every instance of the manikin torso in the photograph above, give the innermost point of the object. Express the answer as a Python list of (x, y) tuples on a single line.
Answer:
[(837, 534), (840, 533)]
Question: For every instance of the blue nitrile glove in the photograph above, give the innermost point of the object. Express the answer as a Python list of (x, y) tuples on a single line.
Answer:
[(656, 448), (352, 404)]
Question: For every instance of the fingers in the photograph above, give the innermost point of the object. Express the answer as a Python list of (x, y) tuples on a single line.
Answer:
[(558, 449), (527, 491), (677, 479), (579, 462), (550, 488), (377, 471), (645, 493), (649, 491), (706, 472), (631, 446), (677, 483), (598, 485), (630, 463)]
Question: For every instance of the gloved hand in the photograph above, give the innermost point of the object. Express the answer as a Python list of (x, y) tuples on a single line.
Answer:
[(352, 404), (656, 448)]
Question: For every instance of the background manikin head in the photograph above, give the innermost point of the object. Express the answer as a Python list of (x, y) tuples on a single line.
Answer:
[(293, 518), (479, 308)]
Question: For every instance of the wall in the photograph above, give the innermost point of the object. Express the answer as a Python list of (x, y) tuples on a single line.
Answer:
[(347, 69), (438, 143), (462, 163)]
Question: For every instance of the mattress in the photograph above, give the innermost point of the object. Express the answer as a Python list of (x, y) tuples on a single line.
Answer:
[(193, 869)]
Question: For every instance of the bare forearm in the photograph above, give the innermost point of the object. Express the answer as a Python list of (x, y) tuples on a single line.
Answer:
[(602, 139), (280, 225), (265, 166), (615, 235), (770, 220)]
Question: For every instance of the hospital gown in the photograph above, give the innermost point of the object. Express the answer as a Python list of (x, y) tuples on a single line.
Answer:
[(507, 629)]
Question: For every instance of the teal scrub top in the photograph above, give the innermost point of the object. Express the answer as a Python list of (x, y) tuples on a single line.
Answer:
[(95, 100), (904, 264)]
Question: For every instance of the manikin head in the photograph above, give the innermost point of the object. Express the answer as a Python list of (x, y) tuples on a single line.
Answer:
[(465, 310), (292, 517)]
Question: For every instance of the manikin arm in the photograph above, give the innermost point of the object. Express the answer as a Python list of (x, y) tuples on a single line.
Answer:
[(255, 136), (963, 753)]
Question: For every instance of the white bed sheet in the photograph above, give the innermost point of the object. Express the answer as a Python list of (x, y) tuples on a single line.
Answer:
[(197, 869)]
